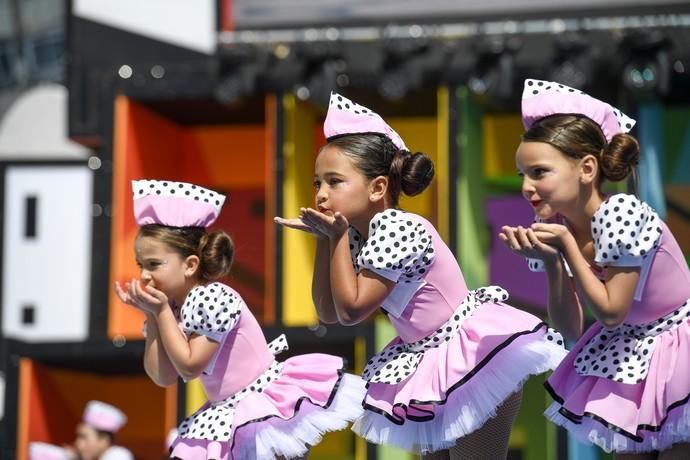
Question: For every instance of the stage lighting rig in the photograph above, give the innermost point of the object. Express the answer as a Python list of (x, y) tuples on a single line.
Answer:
[(573, 63), (646, 70), (493, 76)]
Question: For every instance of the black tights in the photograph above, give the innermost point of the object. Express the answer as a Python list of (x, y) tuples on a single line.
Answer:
[(490, 442)]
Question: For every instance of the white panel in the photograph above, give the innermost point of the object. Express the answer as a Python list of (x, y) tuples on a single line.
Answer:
[(186, 23), (35, 126), (50, 271)]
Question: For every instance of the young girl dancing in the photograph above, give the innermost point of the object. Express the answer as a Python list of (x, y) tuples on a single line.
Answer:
[(449, 386), (625, 384), (258, 408)]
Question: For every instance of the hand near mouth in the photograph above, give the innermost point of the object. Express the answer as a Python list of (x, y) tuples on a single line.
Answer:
[(332, 224)]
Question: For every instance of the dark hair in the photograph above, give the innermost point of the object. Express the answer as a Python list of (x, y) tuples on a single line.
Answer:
[(214, 249), (109, 435), (577, 136), (376, 155)]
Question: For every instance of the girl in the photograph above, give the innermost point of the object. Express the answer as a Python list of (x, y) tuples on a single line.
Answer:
[(258, 408), (625, 384), (449, 386)]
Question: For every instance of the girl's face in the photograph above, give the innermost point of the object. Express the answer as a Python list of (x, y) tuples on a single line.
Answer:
[(550, 180), (340, 186), (89, 444), (162, 268)]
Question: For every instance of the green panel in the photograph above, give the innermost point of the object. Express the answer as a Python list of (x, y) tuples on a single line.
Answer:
[(471, 236)]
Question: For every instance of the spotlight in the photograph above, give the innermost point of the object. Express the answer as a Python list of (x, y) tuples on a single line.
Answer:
[(327, 76), (238, 84), (647, 68), (411, 65), (241, 69), (494, 71), (573, 64), (285, 69)]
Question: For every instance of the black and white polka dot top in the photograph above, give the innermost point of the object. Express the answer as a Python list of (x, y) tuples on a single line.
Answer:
[(625, 232), (212, 311), (399, 248)]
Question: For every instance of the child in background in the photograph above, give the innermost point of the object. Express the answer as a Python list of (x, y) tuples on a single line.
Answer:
[(258, 408), (625, 384), (449, 386)]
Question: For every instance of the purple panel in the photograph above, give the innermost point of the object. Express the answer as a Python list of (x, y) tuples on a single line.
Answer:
[(526, 288)]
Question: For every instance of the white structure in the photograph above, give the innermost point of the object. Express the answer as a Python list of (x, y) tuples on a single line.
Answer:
[(47, 215)]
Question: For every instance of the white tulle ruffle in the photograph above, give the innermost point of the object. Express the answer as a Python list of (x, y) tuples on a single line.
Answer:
[(675, 429), (470, 405), (294, 437)]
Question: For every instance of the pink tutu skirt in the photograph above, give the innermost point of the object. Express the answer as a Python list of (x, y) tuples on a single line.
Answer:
[(641, 415), (310, 396), (458, 380)]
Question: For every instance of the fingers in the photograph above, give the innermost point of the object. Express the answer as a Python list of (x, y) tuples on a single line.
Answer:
[(522, 238), (156, 294), (121, 294), (509, 238)]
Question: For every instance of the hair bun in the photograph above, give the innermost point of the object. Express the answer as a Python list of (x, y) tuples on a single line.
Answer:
[(620, 157), (417, 173)]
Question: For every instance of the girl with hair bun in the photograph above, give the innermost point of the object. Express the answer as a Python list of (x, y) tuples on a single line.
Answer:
[(449, 386), (625, 384), (197, 326)]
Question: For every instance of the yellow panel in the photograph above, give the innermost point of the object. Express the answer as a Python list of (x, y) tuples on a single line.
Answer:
[(420, 134), (298, 247), (500, 138), (442, 163), (195, 396)]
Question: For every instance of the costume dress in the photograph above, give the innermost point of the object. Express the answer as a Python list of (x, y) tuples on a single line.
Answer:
[(626, 388), (258, 408), (459, 353)]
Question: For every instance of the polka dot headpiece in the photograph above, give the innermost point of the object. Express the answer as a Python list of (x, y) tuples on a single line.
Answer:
[(176, 204), (347, 117), (543, 98)]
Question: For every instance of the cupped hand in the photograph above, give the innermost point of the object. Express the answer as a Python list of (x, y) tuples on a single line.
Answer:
[(333, 226), (552, 234), (144, 297), (526, 242), (298, 223)]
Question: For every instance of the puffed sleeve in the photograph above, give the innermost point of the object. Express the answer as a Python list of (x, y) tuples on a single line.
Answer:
[(211, 310), (625, 231), (399, 248)]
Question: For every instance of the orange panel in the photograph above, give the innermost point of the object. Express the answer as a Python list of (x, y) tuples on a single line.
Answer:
[(232, 159), (52, 401)]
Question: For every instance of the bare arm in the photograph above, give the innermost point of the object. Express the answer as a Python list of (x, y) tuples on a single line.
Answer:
[(563, 305), (156, 362), (189, 356), (564, 308), (610, 301), (321, 283), (355, 297)]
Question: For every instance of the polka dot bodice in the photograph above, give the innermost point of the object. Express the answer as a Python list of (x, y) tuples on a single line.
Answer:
[(625, 231), (399, 248), (210, 310)]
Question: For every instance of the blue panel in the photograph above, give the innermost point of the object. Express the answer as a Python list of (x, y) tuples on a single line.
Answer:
[(650, 129)]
